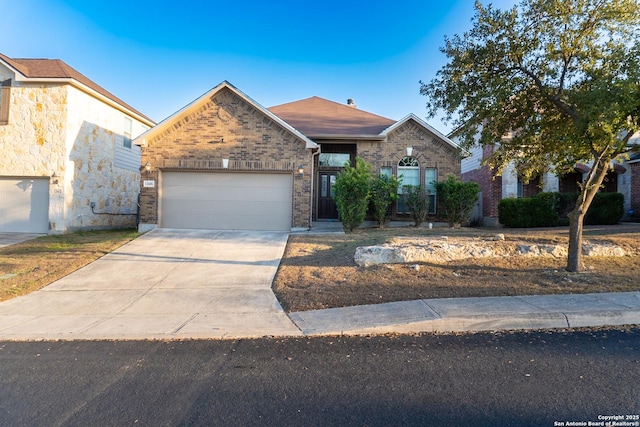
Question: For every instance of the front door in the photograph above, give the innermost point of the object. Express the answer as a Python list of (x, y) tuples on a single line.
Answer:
[(326, 205)]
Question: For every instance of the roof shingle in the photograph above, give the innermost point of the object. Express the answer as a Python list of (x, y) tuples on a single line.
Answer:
[(58, 69), (316, 116)]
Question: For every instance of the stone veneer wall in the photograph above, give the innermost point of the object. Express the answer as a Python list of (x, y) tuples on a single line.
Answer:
[(430, 151), (58, 128), (226, 126)]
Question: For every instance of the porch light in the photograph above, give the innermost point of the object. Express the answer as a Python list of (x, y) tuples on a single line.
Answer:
[(147, 167), (301, 170), (225, 163), (54, 178), (409, 151)]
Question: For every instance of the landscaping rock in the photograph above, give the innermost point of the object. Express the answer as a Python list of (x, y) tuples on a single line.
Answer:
[(442, 251)]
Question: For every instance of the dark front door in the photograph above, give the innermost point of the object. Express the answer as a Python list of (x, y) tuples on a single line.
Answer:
[(326, 204)]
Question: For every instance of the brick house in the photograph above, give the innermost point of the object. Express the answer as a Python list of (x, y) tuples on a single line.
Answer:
[(623, 178), (225, 162), (68, 162)]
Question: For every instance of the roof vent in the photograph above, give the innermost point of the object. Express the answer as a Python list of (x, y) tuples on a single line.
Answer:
[(351, 103)]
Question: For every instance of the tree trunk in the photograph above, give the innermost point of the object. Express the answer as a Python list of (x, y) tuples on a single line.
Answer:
[(576, 217), (574, 258)]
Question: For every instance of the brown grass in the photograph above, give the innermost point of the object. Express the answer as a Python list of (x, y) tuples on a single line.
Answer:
[(318, 271), (41, 261)]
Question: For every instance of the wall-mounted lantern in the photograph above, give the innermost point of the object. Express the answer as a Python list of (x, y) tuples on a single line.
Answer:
[(409, 151), (225, 163), (54, 178), (301, 170), (147, 167)]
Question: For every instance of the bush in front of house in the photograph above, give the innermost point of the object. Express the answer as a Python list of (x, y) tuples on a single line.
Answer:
[(456, 199), (351, 194), (417, 201), (606, 209), (383, 191), (538, 211), (551, 209)]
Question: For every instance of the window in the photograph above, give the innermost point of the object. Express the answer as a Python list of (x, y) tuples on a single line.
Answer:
[(430, 178), (334, 159), (386, 171), (5, 98), (126, 140), (409, 172)]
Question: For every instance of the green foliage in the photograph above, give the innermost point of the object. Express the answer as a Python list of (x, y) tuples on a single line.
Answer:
[(351, 194), (551, 209), (553, 81), (417, 201), (383, 192), (606, 209), (538, 211), (457, 199)]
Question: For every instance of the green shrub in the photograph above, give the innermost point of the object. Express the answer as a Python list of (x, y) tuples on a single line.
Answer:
[(552, 209), (383, 191), (457, 199), (417, 201), (606, 209), (351, 194)]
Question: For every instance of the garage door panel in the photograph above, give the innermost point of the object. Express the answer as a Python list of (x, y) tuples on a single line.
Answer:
[(245, 201), (24, 205)]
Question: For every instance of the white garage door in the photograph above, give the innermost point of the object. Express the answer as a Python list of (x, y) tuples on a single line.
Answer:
[(24, 205), (226, 201)]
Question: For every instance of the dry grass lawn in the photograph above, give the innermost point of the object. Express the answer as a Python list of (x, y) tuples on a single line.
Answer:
[(31, 265), (318, 271)]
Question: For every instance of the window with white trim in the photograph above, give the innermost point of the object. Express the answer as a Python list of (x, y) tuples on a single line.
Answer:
[(409, 172)]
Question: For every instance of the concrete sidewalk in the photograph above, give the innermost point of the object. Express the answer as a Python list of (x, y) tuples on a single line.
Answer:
[(474, 314)]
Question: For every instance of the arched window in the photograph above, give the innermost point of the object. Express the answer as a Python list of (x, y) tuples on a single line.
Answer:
[(409, 171)]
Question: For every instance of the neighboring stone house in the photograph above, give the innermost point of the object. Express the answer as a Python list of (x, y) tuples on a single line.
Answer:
[(621, 178), (225, 162), (68, 162)]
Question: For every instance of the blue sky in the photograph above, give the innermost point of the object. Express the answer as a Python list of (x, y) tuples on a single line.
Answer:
[(159, 55)]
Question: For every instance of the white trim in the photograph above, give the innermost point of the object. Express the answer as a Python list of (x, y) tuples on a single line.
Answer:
[(205, 98)]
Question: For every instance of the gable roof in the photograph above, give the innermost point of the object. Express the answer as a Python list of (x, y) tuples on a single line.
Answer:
[(320, 118), (169, 121), (422, 123), (56, 70)]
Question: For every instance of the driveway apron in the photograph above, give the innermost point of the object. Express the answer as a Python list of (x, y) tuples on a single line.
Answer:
[(166, 284)]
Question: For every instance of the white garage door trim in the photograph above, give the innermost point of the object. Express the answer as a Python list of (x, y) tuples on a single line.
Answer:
[(226, 201), (24, 204)]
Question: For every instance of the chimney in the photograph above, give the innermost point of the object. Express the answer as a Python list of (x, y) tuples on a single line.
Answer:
[(351, 103)]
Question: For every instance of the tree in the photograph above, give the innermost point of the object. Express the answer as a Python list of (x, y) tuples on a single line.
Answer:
[(351, 194), (382, 193), (457, 199), (554, 82)]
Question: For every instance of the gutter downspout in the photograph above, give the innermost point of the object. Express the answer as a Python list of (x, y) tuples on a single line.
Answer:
[(313, 187)]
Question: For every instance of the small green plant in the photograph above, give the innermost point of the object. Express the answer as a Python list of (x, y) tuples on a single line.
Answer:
[(352, 194), (457, 199), (417, 201), (383, 192)]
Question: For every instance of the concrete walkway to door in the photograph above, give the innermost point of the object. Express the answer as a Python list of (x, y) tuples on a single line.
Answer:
[(166, 284)]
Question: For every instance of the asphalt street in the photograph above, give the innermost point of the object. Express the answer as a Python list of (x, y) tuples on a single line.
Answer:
[(541, 378)]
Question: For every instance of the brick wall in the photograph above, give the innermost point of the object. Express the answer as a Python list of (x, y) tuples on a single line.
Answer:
[(226, 126), (430, 151), (490, 185)]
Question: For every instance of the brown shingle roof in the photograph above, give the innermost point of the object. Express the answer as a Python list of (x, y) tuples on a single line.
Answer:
[(316, 116), (58, 69)]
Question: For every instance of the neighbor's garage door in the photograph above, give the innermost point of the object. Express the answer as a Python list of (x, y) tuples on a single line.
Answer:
[(226, 201), (24, 205)]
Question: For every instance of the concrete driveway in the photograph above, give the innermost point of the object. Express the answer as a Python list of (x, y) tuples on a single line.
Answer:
[(166, 284), (7, 238)]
